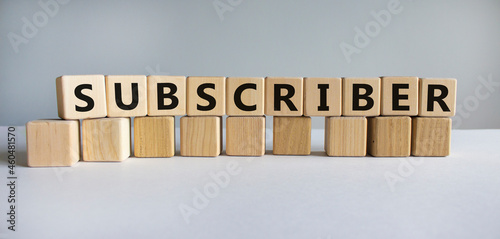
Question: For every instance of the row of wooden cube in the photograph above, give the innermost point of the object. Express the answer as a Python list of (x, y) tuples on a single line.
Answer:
[(57, 142), (96, 96)]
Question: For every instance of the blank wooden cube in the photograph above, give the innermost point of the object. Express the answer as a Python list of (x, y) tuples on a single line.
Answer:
[(126, 95), (292, 135), (361, 96), (284, 96), (106, 139), (245, 96), (389, 136), (245, 136), (154, 136), (345, 136), (53, 142), (431, 136), (166, 95), (322, 96), (438, 97), (201, 136), (81, 96), (206, 96), (399, 95)]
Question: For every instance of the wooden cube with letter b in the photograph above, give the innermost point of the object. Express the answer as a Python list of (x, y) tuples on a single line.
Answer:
[(206, 96), (437, 97), (345, 136), (53, 142), (431, 136), (81, 96), (126, 95), (361, 96), (106, 139), (166, 95), (389, 136), (154, 136), (399, 96), (245, 136), (201, 136), (292, 135)]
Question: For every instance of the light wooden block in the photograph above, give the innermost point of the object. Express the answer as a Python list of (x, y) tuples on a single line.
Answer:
[(361, 96), (438, 97), (292, 135), (322, 96), (245, 136), (126, 95), (206, 96), (154, 136), (201, 136), (284, 96), (399, 95), (345, 136), (245, 96), (81, 96), (106, 139), (431, 136), (389, 136), (166, 95), (53, 143)]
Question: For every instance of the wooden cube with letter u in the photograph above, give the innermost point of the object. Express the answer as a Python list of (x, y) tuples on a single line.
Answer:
[(292, 135), (201, 136)]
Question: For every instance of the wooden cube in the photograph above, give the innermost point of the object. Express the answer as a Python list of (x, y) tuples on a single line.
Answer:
[(106, 139), (154, 136), (345, 136), (292, 135), (201, 136), (284, 96), (431, 136), (389, 136), (53, 142), (245, 136), (81, 96), (399, 96), (245, 96), (361, 96), (126, 95), (438, 97), (166, 95), (206, 96), (322, 96)]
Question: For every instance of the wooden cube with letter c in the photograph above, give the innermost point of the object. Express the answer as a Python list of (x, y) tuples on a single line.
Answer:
[(245, 96)]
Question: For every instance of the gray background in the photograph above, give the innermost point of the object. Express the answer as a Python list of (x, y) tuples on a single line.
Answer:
[(459, 39)]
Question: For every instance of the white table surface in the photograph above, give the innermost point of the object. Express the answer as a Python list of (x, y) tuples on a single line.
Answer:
[(269, 197)]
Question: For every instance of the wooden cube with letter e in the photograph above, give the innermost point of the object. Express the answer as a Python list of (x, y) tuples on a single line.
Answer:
[(399, 96)]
